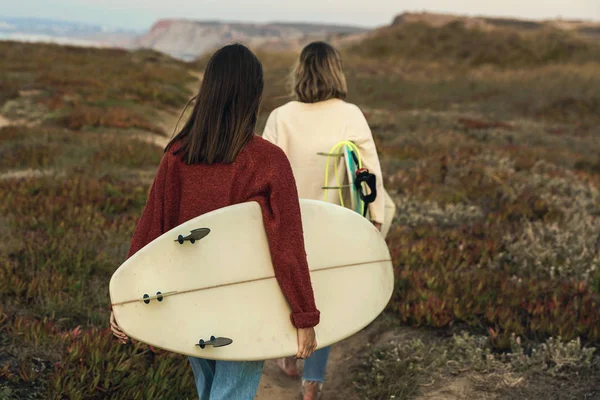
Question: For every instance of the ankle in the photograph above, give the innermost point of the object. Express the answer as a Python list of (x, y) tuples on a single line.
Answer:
[(311, 390), (318, 384)]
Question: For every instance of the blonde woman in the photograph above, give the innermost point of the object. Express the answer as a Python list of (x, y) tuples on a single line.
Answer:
[(316, 121)]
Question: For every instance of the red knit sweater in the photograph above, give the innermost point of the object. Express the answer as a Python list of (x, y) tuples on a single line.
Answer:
[(261, 173)]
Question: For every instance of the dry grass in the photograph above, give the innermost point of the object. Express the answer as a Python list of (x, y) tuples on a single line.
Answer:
[(459, 44)]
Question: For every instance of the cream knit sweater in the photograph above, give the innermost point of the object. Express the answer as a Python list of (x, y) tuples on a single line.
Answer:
[(304, 129)]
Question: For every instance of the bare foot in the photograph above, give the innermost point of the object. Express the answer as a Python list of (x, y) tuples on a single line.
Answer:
[(311, 390), (288, 366)]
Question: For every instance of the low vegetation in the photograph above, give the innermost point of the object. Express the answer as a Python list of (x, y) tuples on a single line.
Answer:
[(78, 87), (489, 144)]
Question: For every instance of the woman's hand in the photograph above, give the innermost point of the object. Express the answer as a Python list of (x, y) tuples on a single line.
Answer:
[(307, 343), (114, 327), (377, 225)]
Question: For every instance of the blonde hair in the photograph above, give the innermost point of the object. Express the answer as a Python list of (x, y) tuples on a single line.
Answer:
[(319, 74)]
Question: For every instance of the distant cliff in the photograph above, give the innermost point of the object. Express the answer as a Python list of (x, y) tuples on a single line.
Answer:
[(187, 39)]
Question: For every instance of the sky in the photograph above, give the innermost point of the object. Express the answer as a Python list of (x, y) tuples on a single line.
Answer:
[(140, 14)]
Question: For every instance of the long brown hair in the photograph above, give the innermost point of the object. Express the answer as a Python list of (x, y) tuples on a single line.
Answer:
[(319, 74), (226, 108)]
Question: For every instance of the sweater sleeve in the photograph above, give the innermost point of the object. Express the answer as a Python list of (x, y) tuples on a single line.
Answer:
[(160, 213), (283, 224), (360, 134)]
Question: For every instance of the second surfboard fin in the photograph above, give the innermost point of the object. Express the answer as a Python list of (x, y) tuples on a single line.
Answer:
[(146, 298), (196, 234), (215, 342)]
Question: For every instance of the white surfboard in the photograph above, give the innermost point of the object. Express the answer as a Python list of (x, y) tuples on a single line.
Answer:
[(177, 296), (351, 195)]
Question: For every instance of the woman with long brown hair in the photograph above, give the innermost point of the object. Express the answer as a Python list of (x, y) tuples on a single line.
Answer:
[(216, 160), (306, 128)]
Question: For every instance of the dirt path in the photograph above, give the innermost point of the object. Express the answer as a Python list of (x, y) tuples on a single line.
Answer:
[(347, 355), (4, 122), (276, 386), (26, 173), (160, 141)]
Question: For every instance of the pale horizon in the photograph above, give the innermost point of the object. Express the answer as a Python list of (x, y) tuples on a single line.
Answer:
[(141, 14)]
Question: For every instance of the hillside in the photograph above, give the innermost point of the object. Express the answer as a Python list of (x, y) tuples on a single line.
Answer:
[(467, 41), (586, 28), (188, 39)]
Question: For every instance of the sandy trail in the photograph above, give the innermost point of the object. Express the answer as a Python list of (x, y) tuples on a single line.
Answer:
[(4, 121), (274, 385), (347, 355), (26, 173)]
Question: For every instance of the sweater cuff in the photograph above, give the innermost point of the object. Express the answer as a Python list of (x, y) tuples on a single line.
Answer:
[(377, 215), (378, 219), (306, 319)]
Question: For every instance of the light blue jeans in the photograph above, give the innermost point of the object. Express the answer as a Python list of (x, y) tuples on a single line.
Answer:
[(315, 365), (226, 380)]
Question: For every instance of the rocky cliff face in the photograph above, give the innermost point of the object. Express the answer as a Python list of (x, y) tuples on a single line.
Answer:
[(188, 39)]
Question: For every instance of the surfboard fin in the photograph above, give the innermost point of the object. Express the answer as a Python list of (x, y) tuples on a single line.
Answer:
[(196, 234), (159, 296), (214, 342)]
